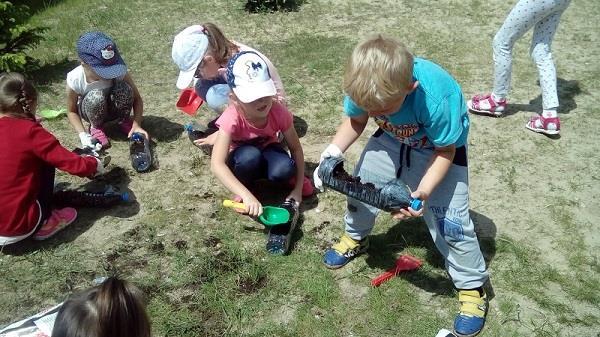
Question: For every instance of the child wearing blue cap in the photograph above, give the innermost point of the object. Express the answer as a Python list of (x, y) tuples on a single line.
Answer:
[(247, 147), (101, 90)]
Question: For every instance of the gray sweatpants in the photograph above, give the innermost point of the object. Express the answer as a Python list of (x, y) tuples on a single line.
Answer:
[(104, 105), (544, 16), (446, 212)]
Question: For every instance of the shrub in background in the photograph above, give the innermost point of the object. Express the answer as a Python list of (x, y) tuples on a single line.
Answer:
[(16, 37), (256, 6)]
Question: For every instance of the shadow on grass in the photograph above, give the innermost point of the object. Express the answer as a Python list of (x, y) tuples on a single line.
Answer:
[(301, 126), (36, 6), (384, 250), (567, 90), (270, 193), (160, 129), (49, 73), (266, 6), (118, 178)]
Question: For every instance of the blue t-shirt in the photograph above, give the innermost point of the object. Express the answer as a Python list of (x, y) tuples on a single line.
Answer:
[(433, 115)]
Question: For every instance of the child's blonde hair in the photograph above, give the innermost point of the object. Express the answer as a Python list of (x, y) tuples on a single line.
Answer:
[(220, 47), (379, 70), (18, 97)]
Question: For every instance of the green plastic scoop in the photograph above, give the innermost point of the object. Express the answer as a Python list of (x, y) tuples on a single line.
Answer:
[(271, 215), (51, 113)]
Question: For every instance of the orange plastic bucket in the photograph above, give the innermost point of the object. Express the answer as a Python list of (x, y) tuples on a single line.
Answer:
[(189, 101)]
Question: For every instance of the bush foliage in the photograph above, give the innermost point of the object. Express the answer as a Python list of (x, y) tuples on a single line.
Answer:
[(256, 6), (16, 37)]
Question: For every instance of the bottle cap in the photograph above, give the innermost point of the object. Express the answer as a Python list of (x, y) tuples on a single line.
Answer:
[(416, 204), (136, 136)]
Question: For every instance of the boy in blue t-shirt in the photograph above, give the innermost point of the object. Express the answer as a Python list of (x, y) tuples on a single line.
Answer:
[(422, 139)]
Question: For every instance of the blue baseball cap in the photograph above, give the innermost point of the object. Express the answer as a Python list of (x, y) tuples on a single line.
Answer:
[(99, 51)]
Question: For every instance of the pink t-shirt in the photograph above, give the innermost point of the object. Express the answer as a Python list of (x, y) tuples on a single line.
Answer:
[(242, 132)]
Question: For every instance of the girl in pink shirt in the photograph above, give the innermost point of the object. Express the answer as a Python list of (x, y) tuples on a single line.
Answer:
[(201, 53), (246, 146)]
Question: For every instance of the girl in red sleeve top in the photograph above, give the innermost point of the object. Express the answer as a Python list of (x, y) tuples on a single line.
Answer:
[(28, 157)]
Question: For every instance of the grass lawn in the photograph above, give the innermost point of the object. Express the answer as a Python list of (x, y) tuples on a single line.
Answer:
[(534, 200)]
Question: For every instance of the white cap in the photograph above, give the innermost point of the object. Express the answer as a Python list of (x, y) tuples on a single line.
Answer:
[(248, 76), (189, 47)]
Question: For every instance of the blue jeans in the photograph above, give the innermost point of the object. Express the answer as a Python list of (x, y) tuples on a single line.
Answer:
[(214, 92), (249, 163)]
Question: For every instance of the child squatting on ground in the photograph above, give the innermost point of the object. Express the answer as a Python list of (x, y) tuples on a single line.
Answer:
[(202, 52), (114, 308), (28, 157), (101, 90), (247, 147), (543, 16), (422, 139)]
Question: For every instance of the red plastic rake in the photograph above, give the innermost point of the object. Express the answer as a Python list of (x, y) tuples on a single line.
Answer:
[(404, 263)]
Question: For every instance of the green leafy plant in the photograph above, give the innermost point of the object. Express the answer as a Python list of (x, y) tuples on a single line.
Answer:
[(257, 6), (16, 37)]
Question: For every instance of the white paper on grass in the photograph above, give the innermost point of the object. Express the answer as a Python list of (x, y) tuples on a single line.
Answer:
[(38, 325)]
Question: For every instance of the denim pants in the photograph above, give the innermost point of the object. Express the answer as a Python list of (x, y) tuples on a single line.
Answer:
[(214, 92), (446, 211), (249, 163)]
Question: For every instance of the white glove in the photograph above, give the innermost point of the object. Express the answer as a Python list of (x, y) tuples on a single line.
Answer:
[(86, 141), (100, 170), (330, 151)]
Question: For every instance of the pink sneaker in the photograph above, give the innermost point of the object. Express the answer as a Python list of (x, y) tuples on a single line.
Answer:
[(59, 219), (548, 126), (126, 124), (307, 187), (485, 104), (99, 135)]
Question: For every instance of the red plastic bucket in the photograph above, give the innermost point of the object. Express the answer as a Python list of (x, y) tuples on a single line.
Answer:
[(189, 101)]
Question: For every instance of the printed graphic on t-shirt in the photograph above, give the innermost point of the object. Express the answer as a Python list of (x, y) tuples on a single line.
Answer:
[(403, 133)]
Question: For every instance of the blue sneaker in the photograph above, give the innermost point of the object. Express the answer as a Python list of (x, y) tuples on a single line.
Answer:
[(473, 309), (342, 252)]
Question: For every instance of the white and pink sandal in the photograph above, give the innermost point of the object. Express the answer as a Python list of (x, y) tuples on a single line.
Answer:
[(485, 104), (548, 126)]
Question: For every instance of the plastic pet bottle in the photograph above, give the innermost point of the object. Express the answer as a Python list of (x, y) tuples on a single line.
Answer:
[(110, 197), (196, 131), (392, 196), (139, 150)]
